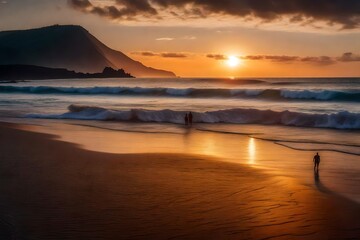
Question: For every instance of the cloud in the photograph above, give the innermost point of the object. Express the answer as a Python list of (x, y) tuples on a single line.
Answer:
[(165, 39), (320, 60), (217, 56), (171, 39), (173, 55), (349, 57), (341, 12), (189, 38), (81, 4), (116, 9), (281, 58), (145, 53), (253, 57), (163, 54)]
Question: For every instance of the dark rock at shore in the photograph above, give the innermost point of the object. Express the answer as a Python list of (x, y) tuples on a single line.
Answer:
[(29, 72)]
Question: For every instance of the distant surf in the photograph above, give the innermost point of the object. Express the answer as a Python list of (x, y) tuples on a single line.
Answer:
[(339, 120), (346, 95)]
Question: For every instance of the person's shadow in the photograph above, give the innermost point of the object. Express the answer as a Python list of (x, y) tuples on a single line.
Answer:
[(317, 177), (318, 183)]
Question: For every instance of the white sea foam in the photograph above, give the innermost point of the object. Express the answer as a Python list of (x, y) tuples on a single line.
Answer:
[(340, 120), (276, 94)]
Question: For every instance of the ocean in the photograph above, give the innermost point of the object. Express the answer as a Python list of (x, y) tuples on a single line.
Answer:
[(322, 110)]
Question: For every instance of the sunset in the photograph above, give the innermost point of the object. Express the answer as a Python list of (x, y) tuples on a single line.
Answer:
[(301, 41), (179, 119)]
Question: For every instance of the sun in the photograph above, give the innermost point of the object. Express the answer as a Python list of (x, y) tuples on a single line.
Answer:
[(233, 61)]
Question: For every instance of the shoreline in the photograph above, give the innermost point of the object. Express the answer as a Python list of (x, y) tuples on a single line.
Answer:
[(54, 189), (120, 138)]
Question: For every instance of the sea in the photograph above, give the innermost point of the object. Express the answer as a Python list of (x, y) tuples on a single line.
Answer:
[(303, 114), (316, 103)]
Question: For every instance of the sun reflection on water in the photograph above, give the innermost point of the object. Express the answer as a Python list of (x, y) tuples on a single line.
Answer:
[(252, 150)]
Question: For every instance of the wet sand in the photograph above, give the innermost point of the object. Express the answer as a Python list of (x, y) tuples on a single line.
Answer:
[(339, 172), (55, 190)]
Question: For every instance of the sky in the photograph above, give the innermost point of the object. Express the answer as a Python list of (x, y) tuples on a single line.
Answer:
[(212, 38)]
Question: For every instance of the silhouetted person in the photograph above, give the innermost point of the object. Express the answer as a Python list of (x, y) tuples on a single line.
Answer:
[(190, 118), (316, 162), (186, 119)]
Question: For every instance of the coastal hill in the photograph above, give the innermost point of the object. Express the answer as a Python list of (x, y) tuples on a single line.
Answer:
[(28, 72), (70, 47)]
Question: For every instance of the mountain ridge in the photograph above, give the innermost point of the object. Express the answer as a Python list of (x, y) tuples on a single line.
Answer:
[(68, 46)]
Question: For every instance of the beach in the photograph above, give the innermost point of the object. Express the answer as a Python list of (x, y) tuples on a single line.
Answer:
[(52, 189), (164, 120)]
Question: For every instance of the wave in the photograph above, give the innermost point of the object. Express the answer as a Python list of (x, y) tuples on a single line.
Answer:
[(276, 94), (353, 96), (340, 120)]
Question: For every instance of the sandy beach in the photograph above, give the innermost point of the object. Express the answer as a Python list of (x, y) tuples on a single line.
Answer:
[(55, 190), (164, 120)]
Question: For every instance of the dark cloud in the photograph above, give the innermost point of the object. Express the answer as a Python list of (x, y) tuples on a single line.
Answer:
[(253, 57), (217, 56), (121, 9), (322, 60), (135, 6), (145, 53), (281, 58), (343, 12), (349, 57), (274, 58), (164, 55), (80, 4), (173, 55)]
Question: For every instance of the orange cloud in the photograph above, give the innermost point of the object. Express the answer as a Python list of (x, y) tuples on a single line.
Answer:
[(217, 56), (164, 54), (320, 60)]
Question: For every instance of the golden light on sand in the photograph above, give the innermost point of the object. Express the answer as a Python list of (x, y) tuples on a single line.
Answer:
[(233, 61), (252, 150), (209, 147)]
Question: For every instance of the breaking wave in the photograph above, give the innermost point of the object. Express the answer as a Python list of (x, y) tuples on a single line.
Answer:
[(340, 120), (276, 94)]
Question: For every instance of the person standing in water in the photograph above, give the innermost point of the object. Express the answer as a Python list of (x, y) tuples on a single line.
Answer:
[(186, 119), (316, 162), (190, 118)]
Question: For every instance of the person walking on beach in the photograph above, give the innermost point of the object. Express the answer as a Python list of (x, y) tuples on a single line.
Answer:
[(316, 162), (190, 118), (186, 119)]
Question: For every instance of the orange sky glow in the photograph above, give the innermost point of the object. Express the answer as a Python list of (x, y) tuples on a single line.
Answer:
[(195, 39)]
